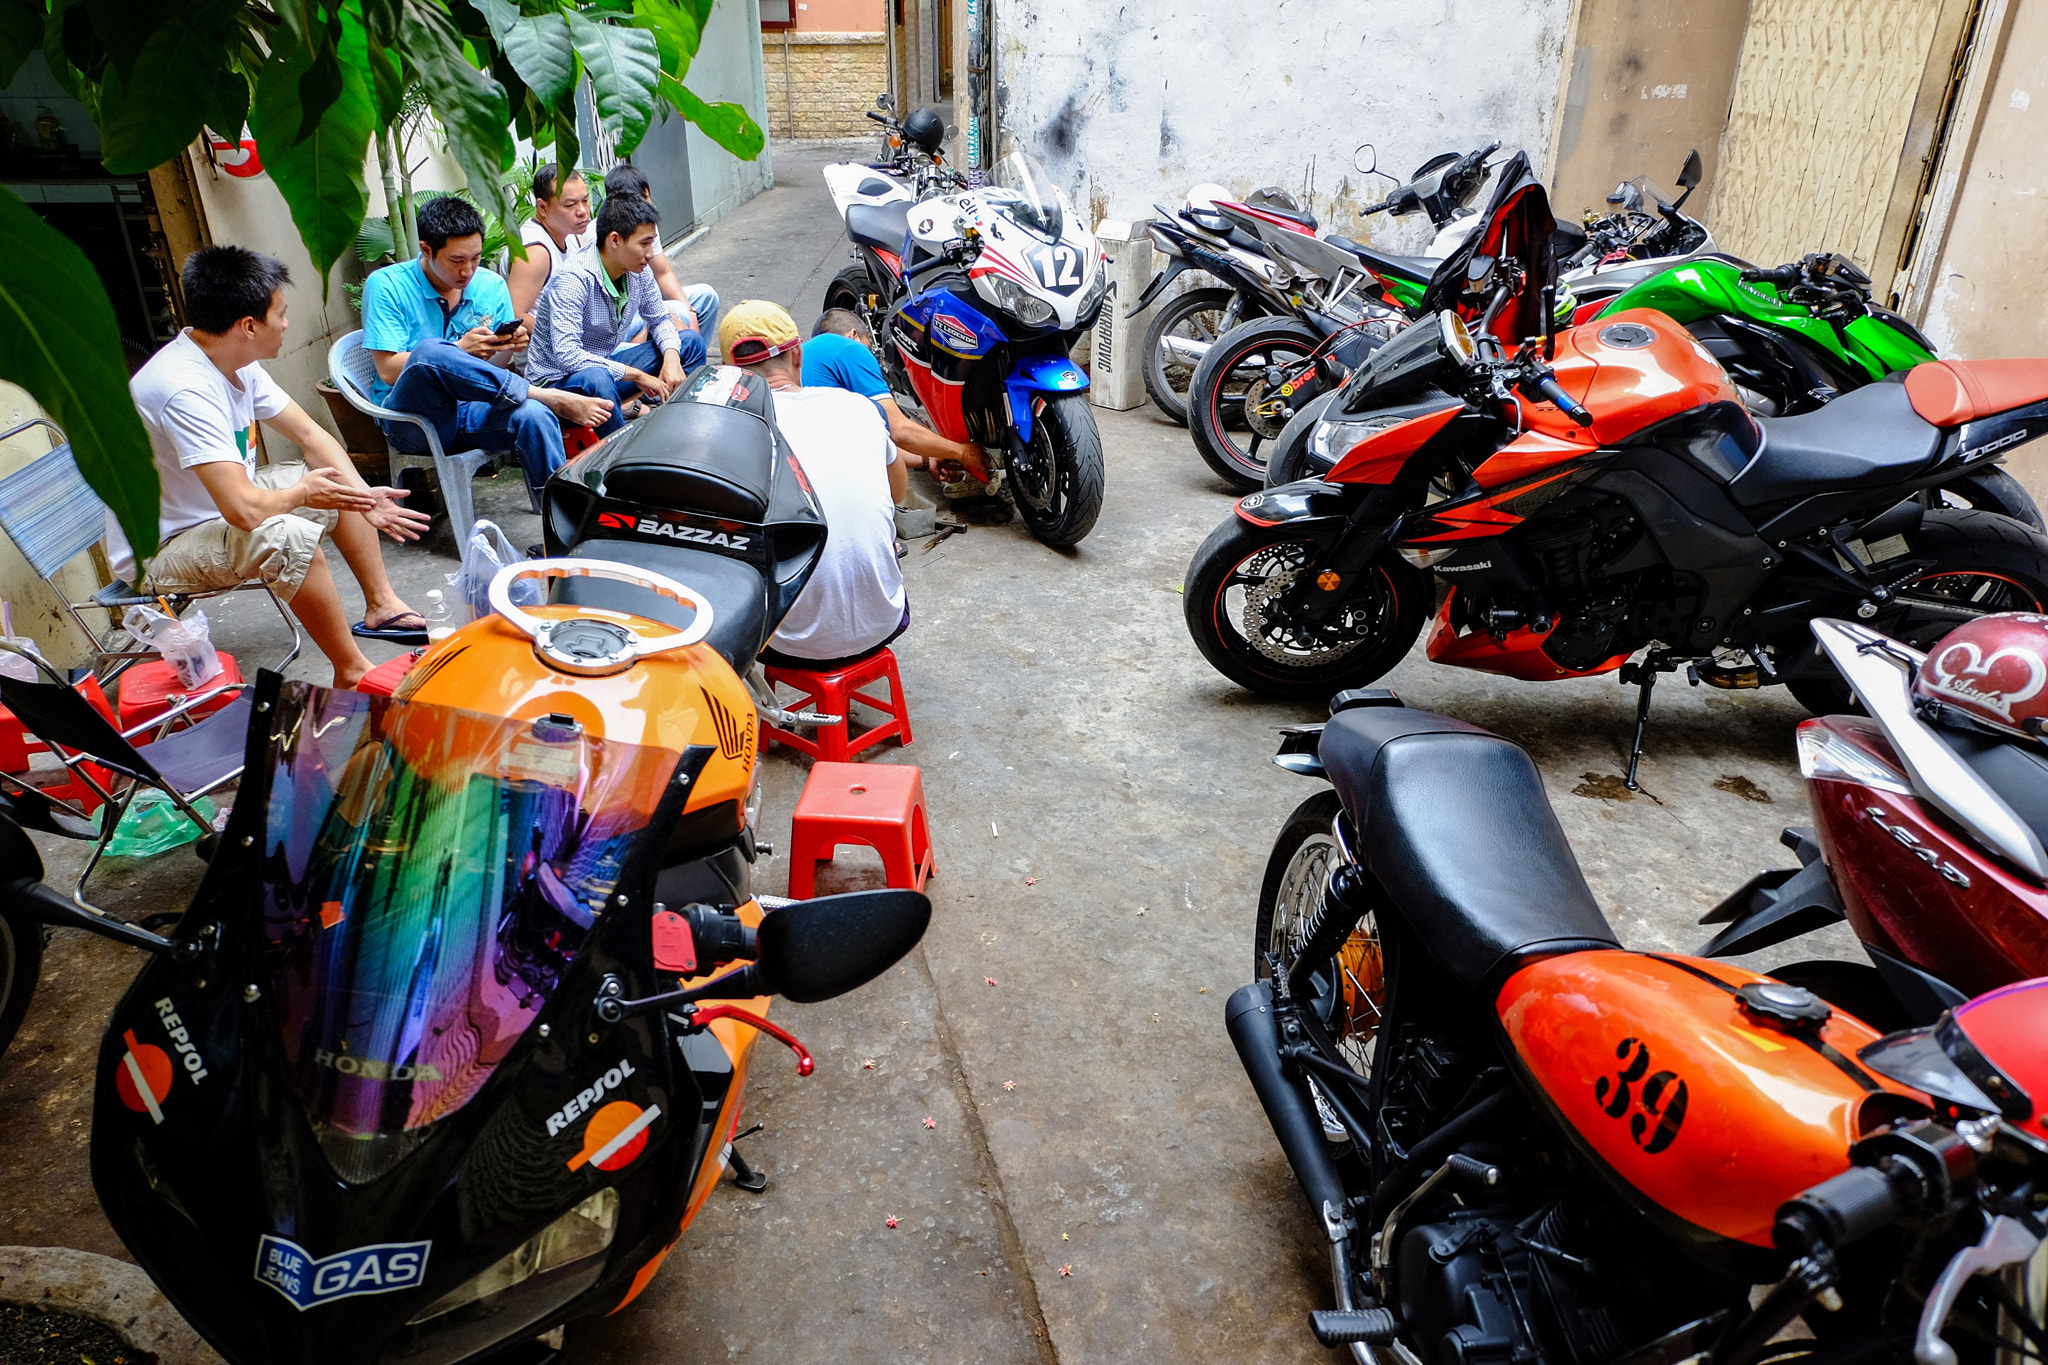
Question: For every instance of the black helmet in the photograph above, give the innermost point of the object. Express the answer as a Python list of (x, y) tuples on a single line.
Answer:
[(926, 129)]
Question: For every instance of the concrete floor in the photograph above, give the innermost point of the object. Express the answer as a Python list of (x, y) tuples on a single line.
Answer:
[(1099, 1184)]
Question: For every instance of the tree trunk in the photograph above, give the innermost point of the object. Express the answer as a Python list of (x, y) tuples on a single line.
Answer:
[(394, 206)]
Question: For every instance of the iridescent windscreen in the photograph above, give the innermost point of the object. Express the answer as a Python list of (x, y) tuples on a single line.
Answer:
[(429, 876)]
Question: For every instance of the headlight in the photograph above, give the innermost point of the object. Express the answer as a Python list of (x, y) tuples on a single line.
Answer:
[(1097, 287), (1331, 441), (1018, 301), (1457, 337), (582, 1232)]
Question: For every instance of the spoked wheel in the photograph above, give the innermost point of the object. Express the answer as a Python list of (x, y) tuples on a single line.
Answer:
[(1196, 320), (1235, 408), (1057, 478), (1983, 563), (1296, 873), (1237, 603), (21, 962)]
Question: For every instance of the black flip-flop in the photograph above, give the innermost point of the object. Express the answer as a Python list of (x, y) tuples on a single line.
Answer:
[(396, 635)]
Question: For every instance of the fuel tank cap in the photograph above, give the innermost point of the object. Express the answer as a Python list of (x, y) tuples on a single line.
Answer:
[(1793, 1008), (1626, 336), (586, 648)]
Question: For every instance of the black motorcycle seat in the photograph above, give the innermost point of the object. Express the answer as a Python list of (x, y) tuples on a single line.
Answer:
[(1416, 268), (1866, 438), (736, 591), (696, 457), (1453, 822), (883, 226)]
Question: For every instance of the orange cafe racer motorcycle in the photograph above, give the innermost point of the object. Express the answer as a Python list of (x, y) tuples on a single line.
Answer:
[(1526, 1144), (430, 1067)]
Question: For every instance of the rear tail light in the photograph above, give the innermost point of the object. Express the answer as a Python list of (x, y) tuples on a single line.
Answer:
[(1825, 752)]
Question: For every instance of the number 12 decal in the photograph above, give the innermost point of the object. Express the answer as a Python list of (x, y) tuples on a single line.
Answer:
[(1058, 267)]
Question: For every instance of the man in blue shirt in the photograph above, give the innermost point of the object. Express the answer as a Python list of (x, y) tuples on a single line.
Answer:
[(441, 330), (837, 357)]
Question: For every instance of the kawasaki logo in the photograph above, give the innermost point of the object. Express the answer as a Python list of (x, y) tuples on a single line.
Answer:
[(654, 526), (1464, 568)]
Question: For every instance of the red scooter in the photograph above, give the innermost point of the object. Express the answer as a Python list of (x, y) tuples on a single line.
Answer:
[(1930, 814)]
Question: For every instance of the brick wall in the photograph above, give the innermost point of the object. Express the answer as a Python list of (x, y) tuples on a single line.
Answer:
[(826, 80)]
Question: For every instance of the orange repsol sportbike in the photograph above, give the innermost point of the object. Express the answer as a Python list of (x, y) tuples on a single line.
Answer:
[(1528, 1146), (1590, 494)]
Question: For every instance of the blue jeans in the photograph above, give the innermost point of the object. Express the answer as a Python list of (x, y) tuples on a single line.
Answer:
[(472, 404), (595, 381)]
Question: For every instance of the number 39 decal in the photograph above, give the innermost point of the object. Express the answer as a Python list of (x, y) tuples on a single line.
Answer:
[(1057, 267)]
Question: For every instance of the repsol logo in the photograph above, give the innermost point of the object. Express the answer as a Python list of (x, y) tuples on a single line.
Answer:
[(668, 530), (589, 1095), (181, 1039), (370, 1069)]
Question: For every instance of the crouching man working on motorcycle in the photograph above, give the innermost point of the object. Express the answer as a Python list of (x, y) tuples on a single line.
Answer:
[(840, 355), (854, 603)]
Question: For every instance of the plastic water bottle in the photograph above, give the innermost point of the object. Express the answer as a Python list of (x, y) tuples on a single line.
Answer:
[(439, 619)]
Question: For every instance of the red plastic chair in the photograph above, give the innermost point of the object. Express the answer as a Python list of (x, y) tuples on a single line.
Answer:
[(150, 689), (833, 694), (877, 804)]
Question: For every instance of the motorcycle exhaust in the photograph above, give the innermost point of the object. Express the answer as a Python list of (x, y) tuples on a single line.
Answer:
[(1256, 1035), (1185, 350)]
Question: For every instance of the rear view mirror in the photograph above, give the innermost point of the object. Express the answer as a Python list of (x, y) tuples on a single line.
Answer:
[(1689, 174), (882, 101), (815, 950)]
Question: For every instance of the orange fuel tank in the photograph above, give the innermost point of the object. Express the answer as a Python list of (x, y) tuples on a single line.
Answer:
[(1702, 1115), (672, 700), (1631, 370)]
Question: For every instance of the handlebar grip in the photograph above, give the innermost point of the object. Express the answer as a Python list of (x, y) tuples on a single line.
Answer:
[(1380, 207), (1840, 1210), (1778, 275), (879, 118), (1554, 392)]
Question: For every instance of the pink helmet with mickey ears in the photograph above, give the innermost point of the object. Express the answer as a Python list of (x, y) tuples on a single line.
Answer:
[(1993, 670)]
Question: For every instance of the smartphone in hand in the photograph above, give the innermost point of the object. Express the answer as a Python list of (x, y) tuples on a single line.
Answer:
[(507, 329)]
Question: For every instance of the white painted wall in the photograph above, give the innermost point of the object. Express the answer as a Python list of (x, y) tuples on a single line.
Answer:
[(728, 67), (1130, 103)]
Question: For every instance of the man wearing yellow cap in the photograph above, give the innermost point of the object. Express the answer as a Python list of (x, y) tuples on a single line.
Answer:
[(854, 603)]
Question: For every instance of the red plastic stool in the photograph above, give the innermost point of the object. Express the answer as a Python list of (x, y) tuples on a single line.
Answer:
[(17, 746), (383, 680), (150, 689), (833, 695), (877, 804)]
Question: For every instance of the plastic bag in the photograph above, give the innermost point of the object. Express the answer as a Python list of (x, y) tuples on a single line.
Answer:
[(184, 643), (488, 551), (154, 825), (12, 665)]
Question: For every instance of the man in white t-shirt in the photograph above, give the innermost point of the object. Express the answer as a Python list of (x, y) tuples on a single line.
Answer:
[(559, 228), (222, 520), (854, 603)]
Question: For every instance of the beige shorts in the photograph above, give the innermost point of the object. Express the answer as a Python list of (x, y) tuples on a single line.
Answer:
[(214, 554)]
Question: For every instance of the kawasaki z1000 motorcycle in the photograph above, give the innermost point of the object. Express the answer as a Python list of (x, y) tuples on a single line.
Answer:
[(1591, 494), (1522, 1143), (975, 300)]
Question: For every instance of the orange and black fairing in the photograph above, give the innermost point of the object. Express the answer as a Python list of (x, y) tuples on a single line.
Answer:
[(1630, 371), (1519, 653), (1702, 1116), (686, 697)]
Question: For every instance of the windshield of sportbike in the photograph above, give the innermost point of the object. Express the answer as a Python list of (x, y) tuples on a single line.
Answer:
[(1027, 195), (429, 875), (1643, 195)]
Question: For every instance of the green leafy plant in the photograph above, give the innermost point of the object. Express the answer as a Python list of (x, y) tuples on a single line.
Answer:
[(316, 81)]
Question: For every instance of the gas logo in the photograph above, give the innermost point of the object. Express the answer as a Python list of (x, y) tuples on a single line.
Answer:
[(1661, 1101), (308, 1282), (615, 1135)]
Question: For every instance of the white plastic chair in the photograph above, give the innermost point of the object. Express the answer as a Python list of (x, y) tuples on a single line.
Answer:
[(352, 370)]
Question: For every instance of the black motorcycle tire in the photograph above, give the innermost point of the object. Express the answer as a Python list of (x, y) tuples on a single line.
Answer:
[(1159, 376), (848, 288), (1210, 409), (1994, 490), (1395, 593), (2010, 558), (21, 962), (1289, 461), (1311, 820), (1067, 439)]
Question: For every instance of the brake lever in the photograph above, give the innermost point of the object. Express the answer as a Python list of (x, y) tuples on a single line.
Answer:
[(2006, 1242), (702, 1015)]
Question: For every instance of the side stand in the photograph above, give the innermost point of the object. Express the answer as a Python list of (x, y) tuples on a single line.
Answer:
[(1645, 675), (747, 1177)]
